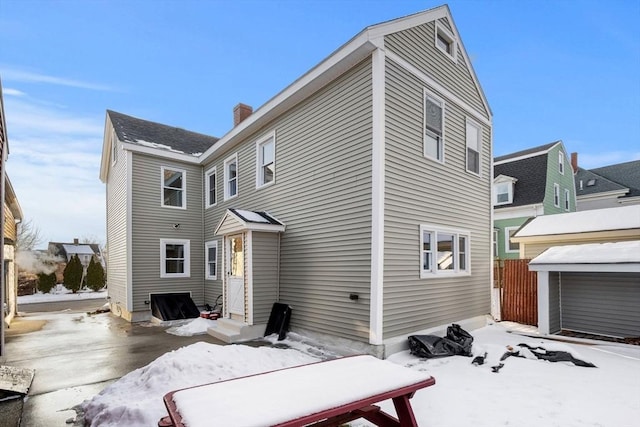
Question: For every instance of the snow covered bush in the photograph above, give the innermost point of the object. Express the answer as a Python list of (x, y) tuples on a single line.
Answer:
[(46, 282)]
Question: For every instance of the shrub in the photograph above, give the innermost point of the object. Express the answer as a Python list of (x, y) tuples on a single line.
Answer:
[(73, 274), (46, 282), (95, 275)]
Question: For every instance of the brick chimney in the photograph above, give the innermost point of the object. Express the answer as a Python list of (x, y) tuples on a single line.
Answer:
[(75, 241), (241, 112), (574, 162)]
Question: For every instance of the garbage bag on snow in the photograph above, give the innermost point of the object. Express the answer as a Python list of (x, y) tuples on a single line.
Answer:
[(458, 342)]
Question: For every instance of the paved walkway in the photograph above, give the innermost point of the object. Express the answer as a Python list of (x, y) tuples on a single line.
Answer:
[(76, 355)]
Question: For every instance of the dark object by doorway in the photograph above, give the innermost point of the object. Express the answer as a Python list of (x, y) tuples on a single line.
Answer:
[(173, 306), (458, 342), (278, 320)]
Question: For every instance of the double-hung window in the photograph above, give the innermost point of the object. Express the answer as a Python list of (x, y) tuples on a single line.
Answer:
[(556, 195), (174, 190), (211, 251), (114, 150), (511, 247), (266, 161), (210, 187), (443, 251), (433, 127), (567, 204), (474, 144), (175, 258), (561, 162), (231, 177)]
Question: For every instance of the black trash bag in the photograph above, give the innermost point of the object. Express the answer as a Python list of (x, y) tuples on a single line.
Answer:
[(456, 343)]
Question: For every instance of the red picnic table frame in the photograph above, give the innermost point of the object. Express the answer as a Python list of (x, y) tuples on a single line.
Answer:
[(368, 381)]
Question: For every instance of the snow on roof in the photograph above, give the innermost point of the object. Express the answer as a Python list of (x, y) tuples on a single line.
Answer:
[(78, 249), (620, 218), (251, 216), (592, 253)]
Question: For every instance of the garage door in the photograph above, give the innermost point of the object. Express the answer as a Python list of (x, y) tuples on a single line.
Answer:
[(601, 303)]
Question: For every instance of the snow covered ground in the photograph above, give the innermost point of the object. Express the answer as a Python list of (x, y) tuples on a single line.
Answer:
[(525, 392), (60, 293)]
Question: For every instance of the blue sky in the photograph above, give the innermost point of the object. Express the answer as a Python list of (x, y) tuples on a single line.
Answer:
[(567, 70)]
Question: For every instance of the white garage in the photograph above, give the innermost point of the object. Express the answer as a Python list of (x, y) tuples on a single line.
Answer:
[(591, 288)]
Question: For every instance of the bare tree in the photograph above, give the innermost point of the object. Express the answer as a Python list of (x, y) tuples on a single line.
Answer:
[(29, 236)]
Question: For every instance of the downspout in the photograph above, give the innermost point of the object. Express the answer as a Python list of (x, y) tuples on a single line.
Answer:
[(3, 147), (279, 266)]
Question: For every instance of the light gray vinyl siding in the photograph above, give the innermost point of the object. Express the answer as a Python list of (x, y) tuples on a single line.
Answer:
[(422, 191), (554, 302), (601, 303), (322, 192), (117, 226), (265, 275), (151, 222), (417, 46)]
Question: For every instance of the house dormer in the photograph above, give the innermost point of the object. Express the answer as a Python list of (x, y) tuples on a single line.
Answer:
[(503, 187)]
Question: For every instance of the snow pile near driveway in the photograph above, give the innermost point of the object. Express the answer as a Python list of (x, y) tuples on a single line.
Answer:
[(524, 393)]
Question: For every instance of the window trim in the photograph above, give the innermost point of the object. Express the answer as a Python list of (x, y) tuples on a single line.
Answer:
[(114, 150), (231, 159), (207, 174), (183, 189), (561, 162), (556, 195), (495, 247), (271, 137), (457, 234), (207, 246), (426, 95), (163, 258), (446, 35), (567, 204), (507, 238), (478, 129)]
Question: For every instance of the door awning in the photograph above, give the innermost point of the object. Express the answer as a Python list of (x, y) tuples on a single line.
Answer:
[(239, 220)]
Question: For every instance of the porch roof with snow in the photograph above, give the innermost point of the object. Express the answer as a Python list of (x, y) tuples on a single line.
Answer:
[(593, 257), (238, 220)]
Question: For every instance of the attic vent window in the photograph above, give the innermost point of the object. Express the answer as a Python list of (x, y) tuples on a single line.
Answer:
[(446, 42), (591, 182)]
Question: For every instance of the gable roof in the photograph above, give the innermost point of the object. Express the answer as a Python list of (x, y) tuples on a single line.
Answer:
[(589, 182), (236, 220), (619, 218), (531, 175), (529, 152), (626, 174), (64, 249), (156, 135)]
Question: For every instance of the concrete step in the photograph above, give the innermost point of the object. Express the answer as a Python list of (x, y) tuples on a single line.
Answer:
[(233, 331)]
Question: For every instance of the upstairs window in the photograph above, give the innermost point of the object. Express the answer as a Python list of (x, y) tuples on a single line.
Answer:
[(433, 128), (114, 150), (474, 144), (266, 161), (561, 162), (567, 205), (556, 195), (503, 188), (446, 42), (210, 187), (231, 177), (174, 188), (174, 258), (211, 251), (443, 251)]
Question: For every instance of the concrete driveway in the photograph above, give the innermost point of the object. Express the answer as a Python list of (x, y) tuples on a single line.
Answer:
[(76, 355)]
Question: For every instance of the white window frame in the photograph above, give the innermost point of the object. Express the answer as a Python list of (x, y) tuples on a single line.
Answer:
[(567, 195), (496, 236), (227, 162), (477, 130), (425, 132), (509, 193), (183, 189), (556, 195), (207, 246), (447, 36), (267, 139), (434, 271), (561, 162), (114, 150), (163, 258), (507, 240), (207, 188)]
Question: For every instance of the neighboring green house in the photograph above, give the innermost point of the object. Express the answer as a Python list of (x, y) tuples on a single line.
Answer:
[(360, 195), (527, 184)]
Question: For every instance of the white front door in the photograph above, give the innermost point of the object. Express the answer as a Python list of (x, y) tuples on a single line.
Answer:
[(235, 275)]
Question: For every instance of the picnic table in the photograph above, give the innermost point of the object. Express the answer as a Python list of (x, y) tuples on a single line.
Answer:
[(327, 393)]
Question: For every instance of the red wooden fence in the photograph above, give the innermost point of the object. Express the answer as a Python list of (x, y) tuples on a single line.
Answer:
[(520, 292)]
